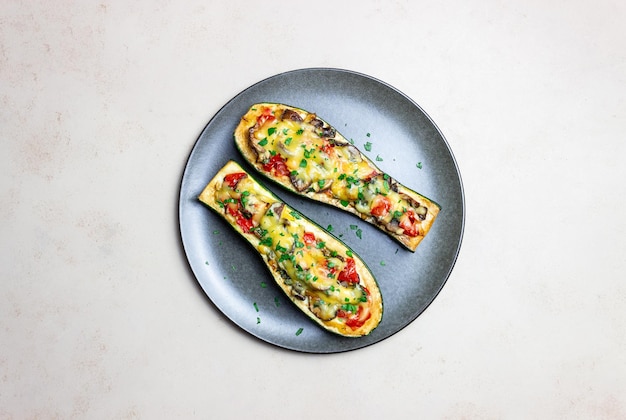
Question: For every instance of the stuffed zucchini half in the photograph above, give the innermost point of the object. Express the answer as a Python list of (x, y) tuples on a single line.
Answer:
[(306, 155), (318, 272)]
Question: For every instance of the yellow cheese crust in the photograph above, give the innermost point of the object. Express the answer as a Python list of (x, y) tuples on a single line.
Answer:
[(306, 155), (318, 272)]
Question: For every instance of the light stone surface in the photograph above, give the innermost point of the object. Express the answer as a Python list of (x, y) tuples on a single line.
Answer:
[(100, 105)]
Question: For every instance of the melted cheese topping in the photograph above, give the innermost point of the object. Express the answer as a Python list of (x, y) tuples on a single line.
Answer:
[(318, 163), (311, 270)]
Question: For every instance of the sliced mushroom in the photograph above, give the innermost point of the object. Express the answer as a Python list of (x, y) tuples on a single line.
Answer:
[(299, 183), (261, 153), (290, 114)]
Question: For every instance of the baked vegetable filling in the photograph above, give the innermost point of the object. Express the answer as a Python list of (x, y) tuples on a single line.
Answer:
[(317, 161), (321, 275)]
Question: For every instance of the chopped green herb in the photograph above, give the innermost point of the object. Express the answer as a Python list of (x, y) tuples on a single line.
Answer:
[(320, 245), (299, 331), (294, 214), (353, 227), (258, 320), (382, 263), (358, 233), (285, 131), (349, 308), (267, 241), (271, 131), (303, 163), (288, 140), (329, 228), (263, 284), (368, 134), (300, 131), (379, 159), (321, 183), (216, 232), (293, 173), (206, 262), (256, 307), (349, 253), (276, 302), (263, 142), (419, 165), (368, 146), (344, 203)]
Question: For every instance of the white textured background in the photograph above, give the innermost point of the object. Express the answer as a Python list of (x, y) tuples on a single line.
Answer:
[(100, 105)]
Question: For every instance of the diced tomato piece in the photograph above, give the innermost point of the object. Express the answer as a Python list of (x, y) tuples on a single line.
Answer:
[(308, 238), (233, 179), (380, 206), (327, 148), (277, 165), (357, 320), (265, 116), (409, 223), (245, 224), (349, 274)]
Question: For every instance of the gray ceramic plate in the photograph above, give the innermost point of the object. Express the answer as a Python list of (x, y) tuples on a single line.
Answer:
[(402, 138)]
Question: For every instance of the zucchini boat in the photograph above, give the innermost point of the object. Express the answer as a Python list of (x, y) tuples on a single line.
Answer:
[(306, 155), (319, 273)]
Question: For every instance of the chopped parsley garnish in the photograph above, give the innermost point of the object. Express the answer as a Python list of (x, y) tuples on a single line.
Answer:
[(378, 158), (300, 131), (368, 134), (267, 241), (349, 253), (368, 146), (353, 227), (382, 263), (329, 228), (320, 245), (321, 183), (276, 302), (299, 331), (344, 203), (295, 214), (256, 307), (303, 163), (263, 142), (271, 131), (288, 140), (349, 308), (358, 233), (419, 165), (258, 320), (263, 284)]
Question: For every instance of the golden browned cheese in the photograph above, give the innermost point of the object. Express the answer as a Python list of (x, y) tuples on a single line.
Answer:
[(318, 272), (306, 155)]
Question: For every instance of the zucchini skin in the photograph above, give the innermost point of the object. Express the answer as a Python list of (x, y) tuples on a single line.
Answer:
[(249, 149), (367, 282)]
